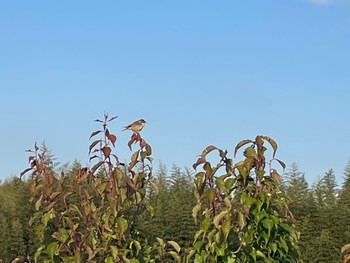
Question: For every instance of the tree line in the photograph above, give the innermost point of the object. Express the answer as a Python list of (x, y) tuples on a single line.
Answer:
[(321, 211)]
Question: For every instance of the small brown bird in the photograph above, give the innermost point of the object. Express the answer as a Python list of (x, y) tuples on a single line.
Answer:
[(136, 126)]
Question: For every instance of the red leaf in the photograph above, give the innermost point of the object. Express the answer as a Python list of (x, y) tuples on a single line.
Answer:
[(112, 138), (97, 120), (94, 133), (142, 143)]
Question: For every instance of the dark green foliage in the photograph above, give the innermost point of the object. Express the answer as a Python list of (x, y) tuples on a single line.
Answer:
[(17, 238), (173, 205)]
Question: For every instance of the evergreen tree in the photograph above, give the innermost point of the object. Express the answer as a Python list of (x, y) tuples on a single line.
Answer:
[(296, 188), (329, 186), (181, 223)]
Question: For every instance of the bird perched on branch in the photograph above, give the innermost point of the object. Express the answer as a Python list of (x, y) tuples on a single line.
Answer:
[(136, 126)]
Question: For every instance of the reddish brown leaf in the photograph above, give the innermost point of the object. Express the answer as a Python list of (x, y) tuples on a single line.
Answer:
[(112, 118), (93, 157), (275, 176), (51, 205), (106, 151), (96, 166), (93, 144), (208, 150), (272, 143), (281, 163), (112, 138), (54, 194), (142, 143), (94, 133), (97, 120), (199, 161), (130, 182), (239, 145), (25, 171)]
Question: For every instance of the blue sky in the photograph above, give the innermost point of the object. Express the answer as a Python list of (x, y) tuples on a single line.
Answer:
[(199, 72)]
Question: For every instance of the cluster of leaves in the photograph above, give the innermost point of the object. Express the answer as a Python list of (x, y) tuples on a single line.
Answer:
[(92, 217), (244, 216)]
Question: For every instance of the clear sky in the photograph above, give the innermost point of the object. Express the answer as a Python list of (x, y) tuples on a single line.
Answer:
[(199, 73)]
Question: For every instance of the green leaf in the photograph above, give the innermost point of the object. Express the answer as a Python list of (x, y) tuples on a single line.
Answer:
[(287, 227), (137, 246), (226, 226), (273, 247), (109, 260), (38, 203), (260, 254), (229, 183), (160, 241), (154, 186), (175, 255), (195, 210), (175, 246), (198, 234), (77, 255), (122, 224), (114, 251), (52, 249), (210, 194), (205, 224), (217, 218), (46, 217), (150, 210), (250, 152)]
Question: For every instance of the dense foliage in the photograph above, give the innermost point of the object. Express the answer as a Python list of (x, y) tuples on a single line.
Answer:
[(224, 212)]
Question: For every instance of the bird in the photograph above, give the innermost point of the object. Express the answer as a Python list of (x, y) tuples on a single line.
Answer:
[(136, 126)]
